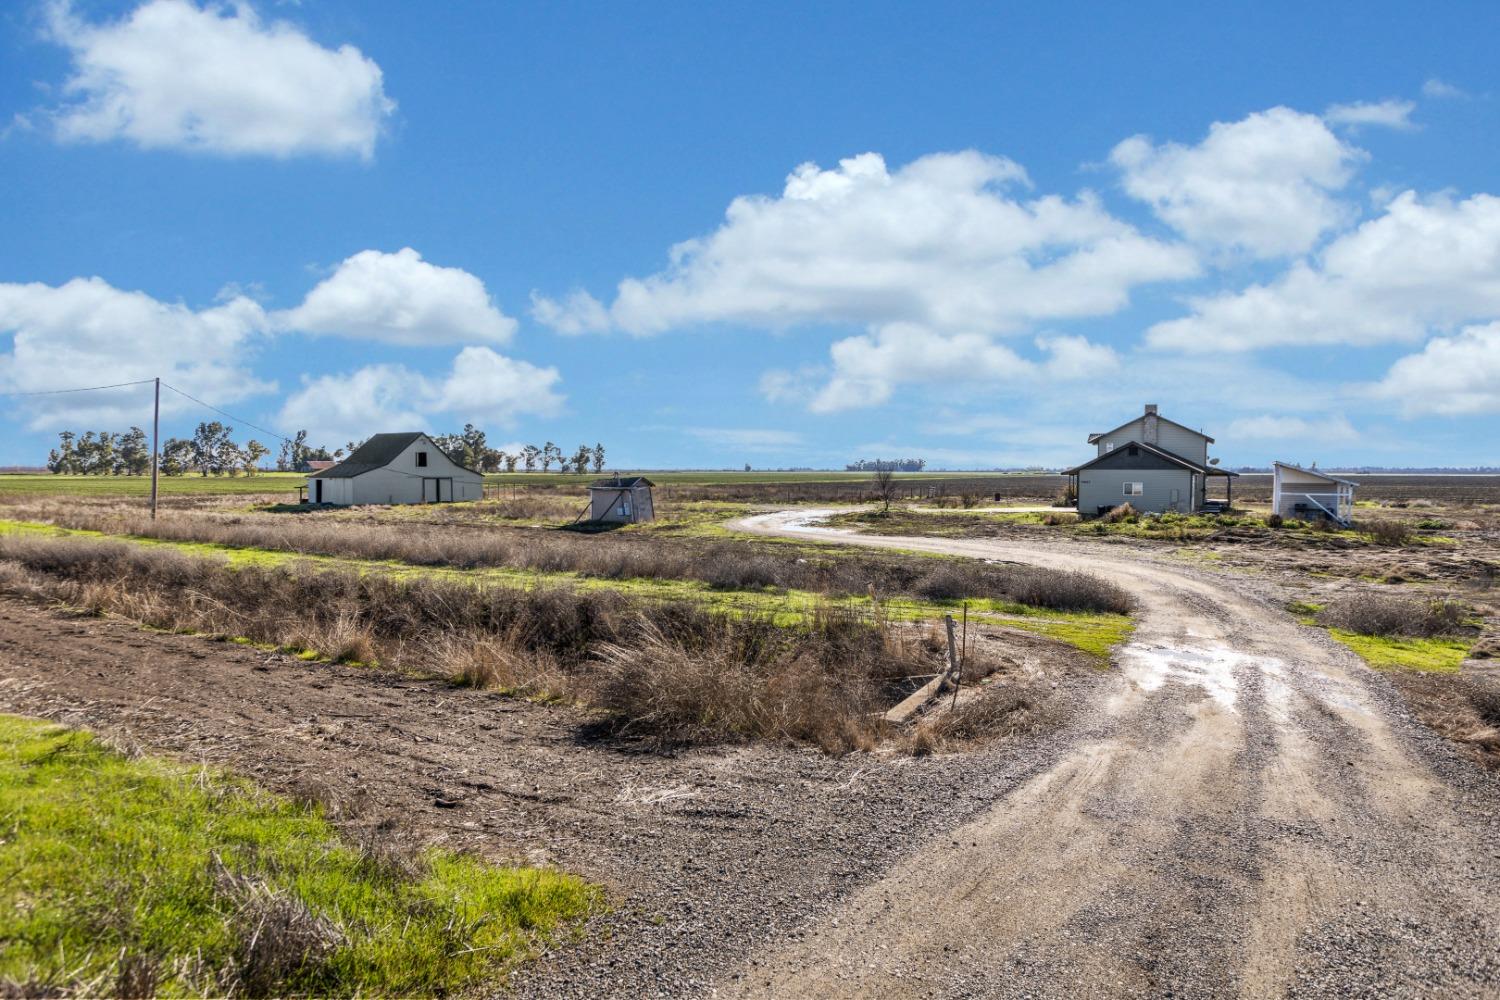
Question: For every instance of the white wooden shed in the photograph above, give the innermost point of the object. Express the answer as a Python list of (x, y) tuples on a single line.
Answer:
[(1310, 495), (395, 468)]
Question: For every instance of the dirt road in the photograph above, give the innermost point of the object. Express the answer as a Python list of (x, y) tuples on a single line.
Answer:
[(1251, 814)]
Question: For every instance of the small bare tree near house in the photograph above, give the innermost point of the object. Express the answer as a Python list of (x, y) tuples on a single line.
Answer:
[(883, 479)]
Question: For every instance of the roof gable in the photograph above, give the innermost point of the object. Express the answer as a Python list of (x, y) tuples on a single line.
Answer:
[(1139, 455), (1313, 472), (1093, 438), (380, 451)]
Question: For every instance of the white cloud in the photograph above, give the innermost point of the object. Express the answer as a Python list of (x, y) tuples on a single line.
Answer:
[(1450, 376), (580, 312), (1424, 262), (1440, 90), (1264, 184), (86, 332), (482, 387), (172, 75), (751, 439), (1268, 427), (398, 298), (867, 369), (940, 242), (1385, 114)]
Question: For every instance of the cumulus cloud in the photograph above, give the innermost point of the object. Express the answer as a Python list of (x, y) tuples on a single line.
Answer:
[(481, 386), (1423, 262), (1265, 185), (1385, 114), (1269, 427), (217, 79), (867, 369), (942, 242), (398, 298), (87, 332), (1450, 376)]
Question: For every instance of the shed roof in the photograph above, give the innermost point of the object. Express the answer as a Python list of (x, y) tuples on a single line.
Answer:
[(377, 453), (1170, 456), (1314, 472), (621, 483)]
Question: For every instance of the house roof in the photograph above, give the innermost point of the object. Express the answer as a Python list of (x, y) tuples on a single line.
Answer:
[(377, 453), (319, 464), (1093, 438), (1314, 472), (1163, 453), (621, 483)]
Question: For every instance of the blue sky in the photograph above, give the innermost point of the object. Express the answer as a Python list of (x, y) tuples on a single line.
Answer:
[(774, 234)]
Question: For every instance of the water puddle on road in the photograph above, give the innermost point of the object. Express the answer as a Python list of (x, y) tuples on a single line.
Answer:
[(1212, 668)]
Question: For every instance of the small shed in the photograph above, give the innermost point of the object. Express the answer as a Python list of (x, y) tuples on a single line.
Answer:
[(621, 500), (1311, 495)]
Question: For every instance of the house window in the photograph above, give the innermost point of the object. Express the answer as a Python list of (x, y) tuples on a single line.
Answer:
[(1134, 489), (1109, 446), (421, 459)]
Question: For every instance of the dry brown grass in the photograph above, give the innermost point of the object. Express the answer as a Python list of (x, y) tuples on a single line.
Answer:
[(1464, 708), (1386, 531), (1124, 512), (1013, 707), (731, 564), (1376, 614), (670, 672)]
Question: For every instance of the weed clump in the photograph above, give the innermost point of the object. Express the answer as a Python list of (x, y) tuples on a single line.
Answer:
[(1394, 617), (1386, 531)]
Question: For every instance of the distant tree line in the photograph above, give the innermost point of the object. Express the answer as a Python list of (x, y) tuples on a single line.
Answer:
[(470, 449), (210, 451), (887, 465)]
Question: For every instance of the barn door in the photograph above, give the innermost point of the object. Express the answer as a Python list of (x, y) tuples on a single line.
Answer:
[(429, 490)]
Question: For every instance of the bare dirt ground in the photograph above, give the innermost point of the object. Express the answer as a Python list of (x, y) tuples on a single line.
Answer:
[(707, 855), (1252, 815)]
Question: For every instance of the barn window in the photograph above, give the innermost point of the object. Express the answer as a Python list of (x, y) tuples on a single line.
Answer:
[(421, 459), (1134, 489)]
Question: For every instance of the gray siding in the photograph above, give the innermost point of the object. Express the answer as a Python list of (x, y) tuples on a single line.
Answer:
[(609, 504), (1106, 488), (1189, 444)]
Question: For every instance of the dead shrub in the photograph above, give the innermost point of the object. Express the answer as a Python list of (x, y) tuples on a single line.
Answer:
[(1124, 513), (1386, 531), (1055, 519), (1275, 521), (1375, 614)]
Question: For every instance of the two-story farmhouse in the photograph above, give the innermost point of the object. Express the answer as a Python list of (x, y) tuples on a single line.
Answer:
[(1152, 463), (395, 468)]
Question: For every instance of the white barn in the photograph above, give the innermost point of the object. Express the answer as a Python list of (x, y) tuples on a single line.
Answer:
[(1310, 495), (395, 468)]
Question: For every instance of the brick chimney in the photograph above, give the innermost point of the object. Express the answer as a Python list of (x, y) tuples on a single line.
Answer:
[(1148, 429)]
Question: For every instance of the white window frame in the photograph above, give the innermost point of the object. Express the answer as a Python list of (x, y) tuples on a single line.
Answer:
[(1109, 446), (1134, 489)]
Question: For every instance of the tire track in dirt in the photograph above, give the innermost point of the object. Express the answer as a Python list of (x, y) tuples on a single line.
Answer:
[(1256, 817)]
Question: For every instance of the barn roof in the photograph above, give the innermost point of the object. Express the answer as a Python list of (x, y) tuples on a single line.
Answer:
[(621, 483), (378, 452), (1115, 457)]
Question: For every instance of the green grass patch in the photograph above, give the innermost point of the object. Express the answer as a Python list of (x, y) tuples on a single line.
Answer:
[(113, 863), (1440, 655), (140, 486)]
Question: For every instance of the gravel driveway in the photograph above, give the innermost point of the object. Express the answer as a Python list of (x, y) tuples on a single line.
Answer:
[(1252, 814)]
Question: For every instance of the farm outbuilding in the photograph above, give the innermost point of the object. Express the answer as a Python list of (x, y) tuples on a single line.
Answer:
[(1154, 464), (395, 468), (621, 500), (1311, 495)]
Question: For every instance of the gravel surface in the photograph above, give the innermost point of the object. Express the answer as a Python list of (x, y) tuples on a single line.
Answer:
[(1253, 814)]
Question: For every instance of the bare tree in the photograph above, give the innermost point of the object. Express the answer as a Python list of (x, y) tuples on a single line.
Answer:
[(883, 479)]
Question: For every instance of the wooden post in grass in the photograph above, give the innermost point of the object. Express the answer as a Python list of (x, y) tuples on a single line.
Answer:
[(952, 649), (155, 445)]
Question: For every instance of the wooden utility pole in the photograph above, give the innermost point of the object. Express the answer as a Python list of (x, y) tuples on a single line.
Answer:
[(155, 445)]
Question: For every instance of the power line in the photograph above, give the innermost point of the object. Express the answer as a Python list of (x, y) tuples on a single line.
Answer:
[(224, 413), (87, 388)]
